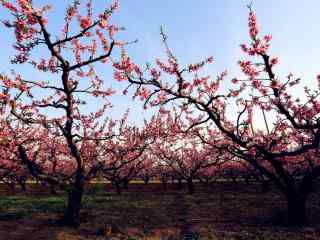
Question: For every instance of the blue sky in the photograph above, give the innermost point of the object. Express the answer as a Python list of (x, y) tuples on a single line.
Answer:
[(201, 28)]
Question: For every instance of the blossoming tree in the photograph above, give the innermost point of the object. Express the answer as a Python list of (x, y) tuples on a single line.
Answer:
[(123, 154), (278, 152), (56, 105)]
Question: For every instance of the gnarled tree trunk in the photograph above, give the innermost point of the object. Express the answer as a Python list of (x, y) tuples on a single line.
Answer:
[(53, 190), (296, 210), (118, 187), (180, 186), (126, 184), (190, 185), (72, 213), (146, 180), (23, 186)]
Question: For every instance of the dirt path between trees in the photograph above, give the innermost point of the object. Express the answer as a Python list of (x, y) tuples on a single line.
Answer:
[(182, 209)]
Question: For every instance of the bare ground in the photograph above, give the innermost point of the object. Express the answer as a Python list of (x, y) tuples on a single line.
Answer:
[(221, 211)]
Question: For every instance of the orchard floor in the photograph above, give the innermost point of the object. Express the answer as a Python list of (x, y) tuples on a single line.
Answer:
[(222, 211)]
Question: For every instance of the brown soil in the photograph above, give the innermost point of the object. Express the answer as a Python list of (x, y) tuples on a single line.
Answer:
[(221, 211)]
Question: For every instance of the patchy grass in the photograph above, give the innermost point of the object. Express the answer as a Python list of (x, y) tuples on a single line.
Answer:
[(16, 207)]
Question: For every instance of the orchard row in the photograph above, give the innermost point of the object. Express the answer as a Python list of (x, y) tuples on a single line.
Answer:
[(47, 135)]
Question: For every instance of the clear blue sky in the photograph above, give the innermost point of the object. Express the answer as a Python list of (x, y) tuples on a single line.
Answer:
[(201, 28)]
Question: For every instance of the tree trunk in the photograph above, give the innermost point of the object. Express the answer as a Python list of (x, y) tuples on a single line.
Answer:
[(11, 185), (53, 190), (180, 186), (23, 186), (72, 214), (296, 210), (207, 181), (118, 187), (234, 180), (190, 186), (164, 184), (265, 186), (246, 180), (146, 180), (126, 184)]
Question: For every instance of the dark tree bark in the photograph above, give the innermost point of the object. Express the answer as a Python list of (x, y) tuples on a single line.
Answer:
[(53, 190), (23, 186), (126, 184), (146, 180), (180, 185), (234, 179), (72, 213), (11, 185), (265, 186), (164, 184), (247, 179), (118, 187), (190, 185), (296, 210), (207, 181)]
